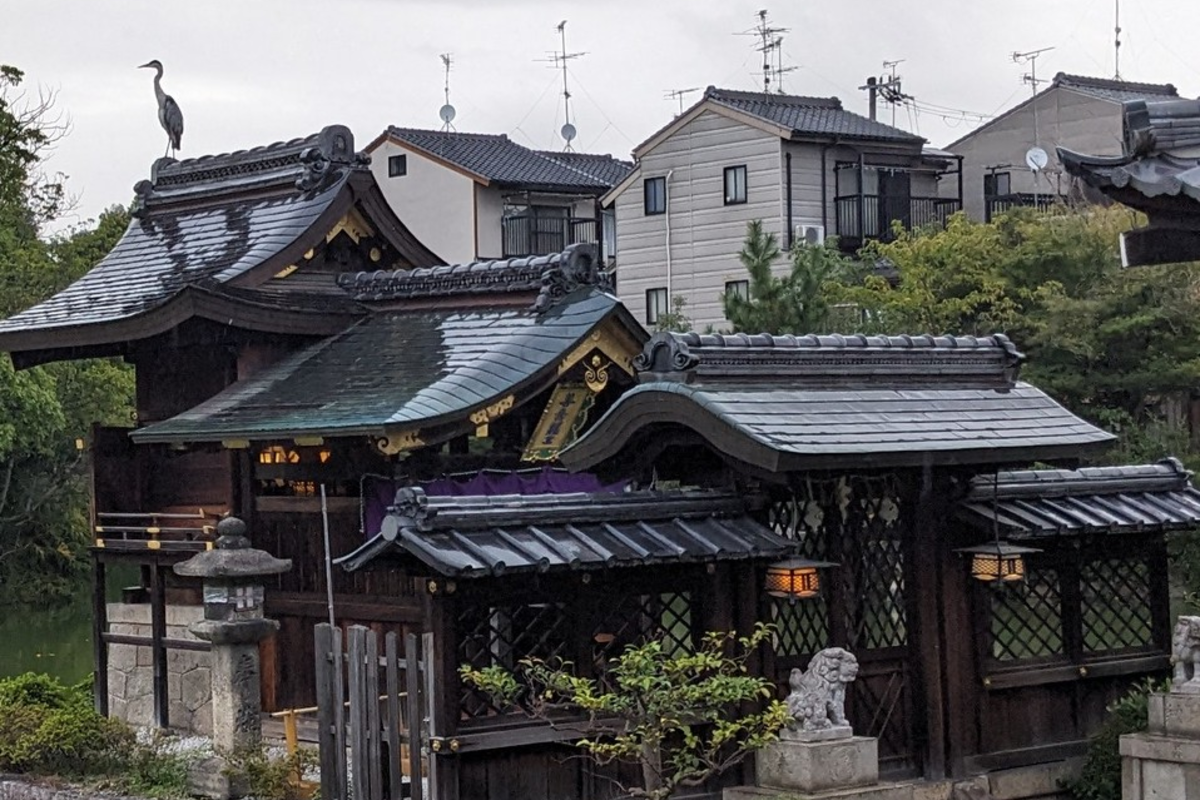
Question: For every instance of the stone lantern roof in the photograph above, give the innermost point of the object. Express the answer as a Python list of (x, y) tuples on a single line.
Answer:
[(233, 558)]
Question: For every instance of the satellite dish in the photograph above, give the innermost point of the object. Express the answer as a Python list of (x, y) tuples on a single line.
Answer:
[(568, 132), (446, 112), (1037, 159)]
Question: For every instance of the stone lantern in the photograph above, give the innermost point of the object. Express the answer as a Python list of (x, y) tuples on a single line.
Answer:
[(233, 622)]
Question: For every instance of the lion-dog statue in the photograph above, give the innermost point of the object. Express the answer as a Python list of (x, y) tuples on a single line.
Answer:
[(817, 701), (1185, 653)]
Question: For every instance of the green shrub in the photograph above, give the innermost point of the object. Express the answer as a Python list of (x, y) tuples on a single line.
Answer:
[(271, 778), (42, 691), (1100, 778), (149, 773)]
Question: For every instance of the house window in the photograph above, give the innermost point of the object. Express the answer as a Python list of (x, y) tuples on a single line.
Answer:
[(656, 305), (655, 195), (397, 166), (997, 184), (735, 185), (737, 289)]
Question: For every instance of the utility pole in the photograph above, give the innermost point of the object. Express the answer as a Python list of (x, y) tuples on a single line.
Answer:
[(1117, 41), (887, 87)]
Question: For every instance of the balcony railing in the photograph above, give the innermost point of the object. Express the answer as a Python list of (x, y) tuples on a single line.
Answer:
[(999, 203), (528, 235), (871, 216)]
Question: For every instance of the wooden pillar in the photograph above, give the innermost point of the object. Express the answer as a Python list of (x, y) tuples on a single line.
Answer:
[(99, 646), (158, 652), (962, 628), (440, 619), (924, 578)]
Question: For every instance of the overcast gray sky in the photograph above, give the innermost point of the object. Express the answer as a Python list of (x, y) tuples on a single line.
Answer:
[(248, 72)]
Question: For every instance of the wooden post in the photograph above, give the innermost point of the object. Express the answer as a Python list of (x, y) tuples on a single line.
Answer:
[(99, 646), (358, 712), (415, 713), (158, 652), (371, 689), (339, 710), (923, 576), (440, 787), (329, 713), (395, 750)]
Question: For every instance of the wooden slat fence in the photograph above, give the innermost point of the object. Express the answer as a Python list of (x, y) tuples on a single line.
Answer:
[(373, 728)]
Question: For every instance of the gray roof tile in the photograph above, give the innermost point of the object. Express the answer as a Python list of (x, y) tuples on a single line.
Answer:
[(507, 164), (1115, 90), (809, 116)]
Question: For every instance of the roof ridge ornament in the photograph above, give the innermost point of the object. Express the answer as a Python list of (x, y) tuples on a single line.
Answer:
[(409, 511), (666, 357), (578, 266)]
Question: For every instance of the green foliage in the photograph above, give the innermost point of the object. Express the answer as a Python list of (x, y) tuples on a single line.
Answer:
[(43, 410), (148, 773), (679, 714), (795, 303), (50, 729), (676, 319), (1101, 775), (268, 777)]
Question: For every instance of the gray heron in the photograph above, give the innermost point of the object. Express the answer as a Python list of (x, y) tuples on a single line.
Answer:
[(169, 115)]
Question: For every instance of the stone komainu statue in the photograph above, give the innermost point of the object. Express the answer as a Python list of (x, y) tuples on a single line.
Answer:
[(818, 697), (1185, 653)]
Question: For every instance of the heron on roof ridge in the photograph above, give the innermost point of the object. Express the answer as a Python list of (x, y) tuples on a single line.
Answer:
[(169, 115)]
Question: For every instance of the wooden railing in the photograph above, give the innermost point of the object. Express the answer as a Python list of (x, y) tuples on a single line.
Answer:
[(157, 530), (530, 235), (999, 203)]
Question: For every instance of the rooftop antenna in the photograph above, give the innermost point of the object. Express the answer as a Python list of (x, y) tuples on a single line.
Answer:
[(1117, 41), (679, 94), (889, 86), (1036, 158), (771, 46), (560, 59), (446, 112)]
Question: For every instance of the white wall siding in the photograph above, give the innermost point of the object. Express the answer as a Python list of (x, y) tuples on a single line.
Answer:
[(706, 235), (489, 211), (1067, 118), (435, 202)]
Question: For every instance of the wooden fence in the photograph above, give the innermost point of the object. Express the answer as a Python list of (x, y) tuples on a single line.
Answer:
[(373, 715)]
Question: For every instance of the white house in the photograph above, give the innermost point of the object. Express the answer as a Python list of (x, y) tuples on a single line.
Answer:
[(804, 166), (473, 196)]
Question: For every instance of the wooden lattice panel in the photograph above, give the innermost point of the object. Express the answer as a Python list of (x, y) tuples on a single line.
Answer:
[(1027, 619), (1116, 611), (503, 635)]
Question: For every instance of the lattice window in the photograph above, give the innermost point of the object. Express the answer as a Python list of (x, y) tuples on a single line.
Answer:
[(1115, 597), (874, 583), (802, 627), (503, 635), (1027, 620), (633, 619)]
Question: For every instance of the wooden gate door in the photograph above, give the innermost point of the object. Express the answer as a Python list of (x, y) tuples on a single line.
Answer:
[(373, 715), (858, 522)]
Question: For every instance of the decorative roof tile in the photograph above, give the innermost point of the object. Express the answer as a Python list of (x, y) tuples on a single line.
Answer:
[(469, 537), (1114, 90), (503, 162), (809, 116), (1133, 499)]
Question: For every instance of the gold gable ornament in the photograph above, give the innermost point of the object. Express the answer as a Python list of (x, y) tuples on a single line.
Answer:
[(393, 444), (560, 423)]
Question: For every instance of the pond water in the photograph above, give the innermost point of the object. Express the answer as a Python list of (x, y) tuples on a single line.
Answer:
[(57, 641)]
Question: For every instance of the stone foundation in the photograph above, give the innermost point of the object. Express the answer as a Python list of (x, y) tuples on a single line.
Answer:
[(131, 670)]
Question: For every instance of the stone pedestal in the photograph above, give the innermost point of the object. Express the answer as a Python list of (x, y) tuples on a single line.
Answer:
[(1164, 762), (818, 766)]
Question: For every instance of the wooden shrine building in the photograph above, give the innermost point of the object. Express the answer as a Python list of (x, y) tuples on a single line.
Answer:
[(1158, 174), (304, 362)]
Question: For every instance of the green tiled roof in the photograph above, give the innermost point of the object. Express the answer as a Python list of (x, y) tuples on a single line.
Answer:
[(394, 370)]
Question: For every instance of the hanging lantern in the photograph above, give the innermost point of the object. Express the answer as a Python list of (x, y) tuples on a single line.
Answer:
[(796, 578), (998, 561)]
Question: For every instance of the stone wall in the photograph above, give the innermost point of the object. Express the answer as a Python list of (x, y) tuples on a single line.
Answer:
[(16, 787), (131, 671)]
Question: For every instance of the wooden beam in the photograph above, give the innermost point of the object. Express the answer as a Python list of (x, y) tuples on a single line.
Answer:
[(923, 583), (1150, 246), (158, 652), (99, 646)]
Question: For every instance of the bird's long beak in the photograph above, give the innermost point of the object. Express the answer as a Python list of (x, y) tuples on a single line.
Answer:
[(147, 64)]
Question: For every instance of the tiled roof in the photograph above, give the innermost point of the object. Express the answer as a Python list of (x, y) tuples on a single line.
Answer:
[(809, 116), (393, 370), (206, 221), (1114, 90), (1032, 503), (507, 164), (467, 537), (786, 402)]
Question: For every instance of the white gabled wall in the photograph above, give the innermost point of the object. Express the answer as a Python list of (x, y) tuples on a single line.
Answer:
[(435, 202), (706, 235), (489, 212)]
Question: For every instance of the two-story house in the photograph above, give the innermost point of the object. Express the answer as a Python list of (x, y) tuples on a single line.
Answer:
[(805, 166), (477, 196), (1074, 112)]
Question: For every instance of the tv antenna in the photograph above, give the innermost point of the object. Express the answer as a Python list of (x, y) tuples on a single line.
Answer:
[(770, 45), (889, 86), (679, 94), (446, 112), (560, 59), (1117, 41)]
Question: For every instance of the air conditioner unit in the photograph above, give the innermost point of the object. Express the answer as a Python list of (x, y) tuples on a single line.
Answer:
[(807, 233)]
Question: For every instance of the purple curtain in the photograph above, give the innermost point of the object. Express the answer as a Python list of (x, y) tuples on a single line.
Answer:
[(378, 493)]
